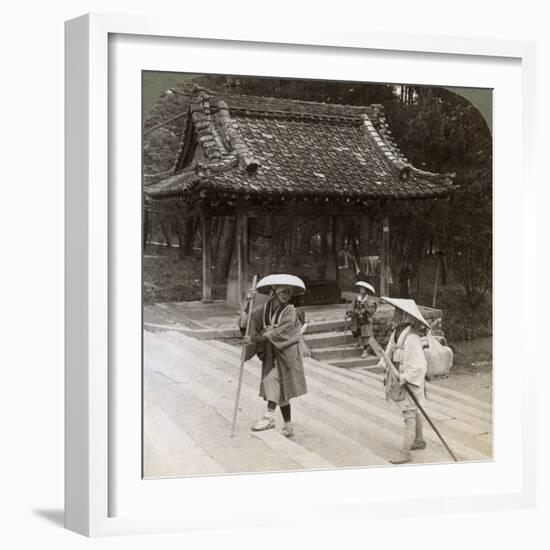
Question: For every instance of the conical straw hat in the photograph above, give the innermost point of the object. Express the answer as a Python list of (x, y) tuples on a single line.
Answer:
[(408, 306), (366, 285), (281, 279)]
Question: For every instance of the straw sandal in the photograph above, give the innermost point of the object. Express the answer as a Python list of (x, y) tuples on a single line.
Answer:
[(401, 459), (288, 431), (265, 423)]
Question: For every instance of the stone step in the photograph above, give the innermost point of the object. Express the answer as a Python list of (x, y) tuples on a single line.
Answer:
[(472, 406), (174, 386), (374, 423), (230, 332), (328, 339), (200, 380), (329, 325), (354, 395), (455, 405), (466, 419), (462, 404), (199, 334), (165, 439), (317, 444), (461, 420), (337, 352), (343, 420), (376, 407), (369, 362)]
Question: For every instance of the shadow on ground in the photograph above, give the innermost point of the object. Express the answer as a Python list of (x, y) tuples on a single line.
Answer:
[(57, 517)]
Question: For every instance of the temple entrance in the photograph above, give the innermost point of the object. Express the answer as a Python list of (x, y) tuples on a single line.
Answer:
[(328, 253)]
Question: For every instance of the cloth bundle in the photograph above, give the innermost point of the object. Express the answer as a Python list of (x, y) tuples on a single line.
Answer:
[(439, 357)]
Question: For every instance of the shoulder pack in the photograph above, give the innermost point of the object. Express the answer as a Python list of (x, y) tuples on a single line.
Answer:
[(439, 358)]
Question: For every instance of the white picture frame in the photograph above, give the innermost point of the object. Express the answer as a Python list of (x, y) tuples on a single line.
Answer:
[(101, 423)]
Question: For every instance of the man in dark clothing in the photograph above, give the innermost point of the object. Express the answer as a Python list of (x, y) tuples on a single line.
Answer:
[(405, 276)]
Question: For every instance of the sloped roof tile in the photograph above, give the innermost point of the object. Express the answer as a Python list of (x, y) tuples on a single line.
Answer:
[(263, 146)]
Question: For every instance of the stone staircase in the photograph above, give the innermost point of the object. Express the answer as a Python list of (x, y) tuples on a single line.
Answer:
[(328, 335), (338, 348), (343, 420)]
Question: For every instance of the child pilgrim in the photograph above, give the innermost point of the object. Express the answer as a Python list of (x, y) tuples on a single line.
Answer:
[(406, 351), (276, 331), (362, 315)]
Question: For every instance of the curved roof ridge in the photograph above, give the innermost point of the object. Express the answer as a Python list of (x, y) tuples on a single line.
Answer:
[(284, 105), (381, 133), (218, 133), (385, 133)]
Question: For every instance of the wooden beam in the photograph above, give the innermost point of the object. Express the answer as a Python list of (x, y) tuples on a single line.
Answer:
[(206, 233), (256, 211), (385, 253)]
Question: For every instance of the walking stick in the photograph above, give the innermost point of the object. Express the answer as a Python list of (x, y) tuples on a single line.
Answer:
[(383, 355), (241, 370)]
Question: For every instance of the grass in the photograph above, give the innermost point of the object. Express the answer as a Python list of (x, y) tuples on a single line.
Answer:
[(167, 278)]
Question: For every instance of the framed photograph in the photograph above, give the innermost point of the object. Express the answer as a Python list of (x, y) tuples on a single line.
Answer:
[(294, 267)]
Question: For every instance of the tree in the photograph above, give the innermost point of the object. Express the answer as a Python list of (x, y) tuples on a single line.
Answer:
[(442, 132)]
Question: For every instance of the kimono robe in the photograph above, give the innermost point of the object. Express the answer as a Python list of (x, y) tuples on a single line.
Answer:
[(363, 313), (407, 354), (282, 367)]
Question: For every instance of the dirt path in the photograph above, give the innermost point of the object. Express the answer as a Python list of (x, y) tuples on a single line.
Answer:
[(472, 373)]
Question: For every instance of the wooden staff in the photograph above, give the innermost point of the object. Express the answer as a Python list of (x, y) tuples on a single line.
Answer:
[(383, 355), (241, 370)]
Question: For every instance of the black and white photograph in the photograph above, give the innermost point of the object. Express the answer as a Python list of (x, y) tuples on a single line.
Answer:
[(317, 274)]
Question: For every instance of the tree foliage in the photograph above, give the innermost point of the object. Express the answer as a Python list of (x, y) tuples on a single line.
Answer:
[(442, 132)]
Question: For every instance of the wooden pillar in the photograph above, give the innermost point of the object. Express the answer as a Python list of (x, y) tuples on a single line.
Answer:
[(364, 235), (385, 252), (270, 254), (335, 250), (242, 250), (206, 234)]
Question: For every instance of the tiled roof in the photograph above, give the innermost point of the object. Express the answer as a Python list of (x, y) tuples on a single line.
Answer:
[(267, 146)]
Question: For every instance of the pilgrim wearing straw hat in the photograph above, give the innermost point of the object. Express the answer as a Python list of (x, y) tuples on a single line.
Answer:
[(407, 354), (276, 329), (362, 315)]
